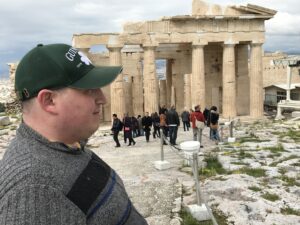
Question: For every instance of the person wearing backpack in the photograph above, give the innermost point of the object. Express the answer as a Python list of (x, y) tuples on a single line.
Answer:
[(198, 124), (117, 126)]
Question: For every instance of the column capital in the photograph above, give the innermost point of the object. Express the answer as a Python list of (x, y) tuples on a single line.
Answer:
[(230, 43), (256, 43), (114, 47), (200, 43), (195, 46), (149, 46)]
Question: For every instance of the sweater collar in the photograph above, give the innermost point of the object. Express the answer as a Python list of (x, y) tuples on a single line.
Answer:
[(27, 132)]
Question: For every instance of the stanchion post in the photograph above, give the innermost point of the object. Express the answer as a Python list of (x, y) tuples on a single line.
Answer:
[(231, 128), (162, 165), (195, 171), (162, 145), (221, 131)]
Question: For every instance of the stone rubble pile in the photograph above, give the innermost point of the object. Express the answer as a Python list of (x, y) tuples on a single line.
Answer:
[(5, 90), (262, 180)]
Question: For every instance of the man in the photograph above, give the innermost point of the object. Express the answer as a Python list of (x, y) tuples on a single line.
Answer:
[(47, 175), (173, 124), (147, 123), (197, 131), (116, 127), (185, 117)]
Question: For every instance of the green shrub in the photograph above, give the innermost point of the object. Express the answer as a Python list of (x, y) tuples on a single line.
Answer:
[(254, 172), (213, 167), (270, 197), (290, 211), (254, 188)]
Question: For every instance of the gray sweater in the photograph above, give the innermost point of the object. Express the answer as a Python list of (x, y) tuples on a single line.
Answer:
[(36, 175)]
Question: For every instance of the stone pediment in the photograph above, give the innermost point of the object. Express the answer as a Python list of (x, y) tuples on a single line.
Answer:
[(255, 9), (204, 9)]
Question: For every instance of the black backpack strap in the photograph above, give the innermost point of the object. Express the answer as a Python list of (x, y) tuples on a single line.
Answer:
[(90, 183)]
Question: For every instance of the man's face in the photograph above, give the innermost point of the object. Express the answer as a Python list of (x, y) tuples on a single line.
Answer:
[(79, 111)]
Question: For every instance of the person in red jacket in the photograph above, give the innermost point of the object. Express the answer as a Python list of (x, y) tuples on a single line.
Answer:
[(197, 131)]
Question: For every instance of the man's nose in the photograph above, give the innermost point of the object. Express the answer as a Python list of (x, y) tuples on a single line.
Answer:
[(100, 99)]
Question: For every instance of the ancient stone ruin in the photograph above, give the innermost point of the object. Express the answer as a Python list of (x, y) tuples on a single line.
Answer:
[(206, 53)]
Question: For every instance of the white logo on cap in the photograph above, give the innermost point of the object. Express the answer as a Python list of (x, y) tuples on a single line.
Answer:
[(84, 58), (70, 55)]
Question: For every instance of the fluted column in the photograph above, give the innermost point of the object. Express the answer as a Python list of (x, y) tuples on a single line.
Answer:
[(187, 91), (169, 63), (242, 80), (150, 80), (137, 91), (229, 82), (162, 92), (117, 87), (198, 76), (256, 81)]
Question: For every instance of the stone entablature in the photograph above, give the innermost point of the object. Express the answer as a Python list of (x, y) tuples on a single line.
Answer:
[(206, 53)]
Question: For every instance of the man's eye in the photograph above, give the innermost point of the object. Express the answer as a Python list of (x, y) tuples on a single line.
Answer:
[(90, 91)]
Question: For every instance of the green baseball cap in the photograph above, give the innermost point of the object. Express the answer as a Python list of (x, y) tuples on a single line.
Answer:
[(56, 66)]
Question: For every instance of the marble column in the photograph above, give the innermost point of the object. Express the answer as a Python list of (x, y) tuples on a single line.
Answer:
[(242, 73), (229, 82), (137, 91), (150, 80), (256, 81), (162, 92), (187, 91), (117, 87), (169, 63), (198, 76)]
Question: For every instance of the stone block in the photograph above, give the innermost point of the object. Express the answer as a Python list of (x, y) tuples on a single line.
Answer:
[(162, 165), (199, 212), (231, 139), (296, 114), (4, 120)]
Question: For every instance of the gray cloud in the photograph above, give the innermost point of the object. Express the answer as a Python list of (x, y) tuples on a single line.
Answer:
[(25, 23)]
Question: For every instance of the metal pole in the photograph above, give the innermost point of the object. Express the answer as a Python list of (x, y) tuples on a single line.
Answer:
[(162, 145), (195, 171), (221, 130), (198, 192), (288, 83), (231, 128), (200, 136)]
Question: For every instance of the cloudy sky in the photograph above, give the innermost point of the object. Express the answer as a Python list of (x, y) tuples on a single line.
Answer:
[(25, 23)]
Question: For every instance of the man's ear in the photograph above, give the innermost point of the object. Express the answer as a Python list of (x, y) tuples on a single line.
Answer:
[(46, 100)]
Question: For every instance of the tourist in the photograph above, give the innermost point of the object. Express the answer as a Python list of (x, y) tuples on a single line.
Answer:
[(162, 109), (197, 115), (185, 117), (173, 124), (155, 123), (163, 125), (214, 124), (116, 127), (128, 126), (206, 116), (47, 174), (123, 120), (135, 126), (147, 123), (140, 128)]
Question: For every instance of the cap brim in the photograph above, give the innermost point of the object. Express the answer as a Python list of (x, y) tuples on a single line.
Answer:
[(98, 77)]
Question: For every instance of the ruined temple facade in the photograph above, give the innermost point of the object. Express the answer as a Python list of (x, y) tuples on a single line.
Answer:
[(213, 57)]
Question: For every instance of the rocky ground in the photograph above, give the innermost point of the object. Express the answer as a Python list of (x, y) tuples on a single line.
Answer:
[(254, 180)]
